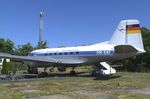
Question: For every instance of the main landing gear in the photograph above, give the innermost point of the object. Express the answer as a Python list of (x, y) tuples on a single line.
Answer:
[(45, 72), (72, 72), (99, 72), (32, 70)]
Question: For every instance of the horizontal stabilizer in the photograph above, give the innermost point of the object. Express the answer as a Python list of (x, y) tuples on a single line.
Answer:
[(125, 49)]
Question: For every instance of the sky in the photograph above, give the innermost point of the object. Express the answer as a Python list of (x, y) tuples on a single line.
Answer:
[(68, 22)]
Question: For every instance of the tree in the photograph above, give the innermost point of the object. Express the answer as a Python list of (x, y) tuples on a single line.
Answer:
[(41, 45), (4, 67), (6, 46), (24, 49), (11, 67), (61, 68)]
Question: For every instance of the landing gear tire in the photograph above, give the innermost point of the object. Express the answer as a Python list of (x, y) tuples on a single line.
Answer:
[(99, 73), (32, 70), (29, 69), (43, 74), (72, 72)]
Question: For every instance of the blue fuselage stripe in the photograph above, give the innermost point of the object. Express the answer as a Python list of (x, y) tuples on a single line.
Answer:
[(101, 52)]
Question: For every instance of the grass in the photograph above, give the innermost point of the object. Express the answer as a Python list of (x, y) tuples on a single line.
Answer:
[(120, 87)]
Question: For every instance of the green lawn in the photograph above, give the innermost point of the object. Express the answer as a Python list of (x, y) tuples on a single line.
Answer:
[(123, 85)]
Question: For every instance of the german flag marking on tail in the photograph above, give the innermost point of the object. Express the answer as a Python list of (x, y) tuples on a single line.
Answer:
[(132, 29)]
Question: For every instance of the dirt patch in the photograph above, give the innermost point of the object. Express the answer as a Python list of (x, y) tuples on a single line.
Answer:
[(85, 92), (105, 97), (55, 96), (85, 84), (30, 91), (15, 86), (144, 91), (95, 95)]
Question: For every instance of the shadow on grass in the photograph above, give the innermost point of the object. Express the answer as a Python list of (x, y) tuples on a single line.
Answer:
[(107, 77), (82, 74), (64, 74)]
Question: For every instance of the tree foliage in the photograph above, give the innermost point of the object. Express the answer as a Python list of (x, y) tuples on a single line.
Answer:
[(24, 49), (6, 46), (4, 67), (61, 68), (41, 45), (15, 66)]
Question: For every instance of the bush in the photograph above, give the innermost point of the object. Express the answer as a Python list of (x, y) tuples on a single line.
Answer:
[(61, 68), (4, 67), (12, 67)]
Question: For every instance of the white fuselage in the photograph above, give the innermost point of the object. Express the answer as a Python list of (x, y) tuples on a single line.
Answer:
[(92, 54)]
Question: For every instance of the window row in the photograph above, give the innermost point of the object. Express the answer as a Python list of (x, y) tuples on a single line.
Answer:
[(62, 53)]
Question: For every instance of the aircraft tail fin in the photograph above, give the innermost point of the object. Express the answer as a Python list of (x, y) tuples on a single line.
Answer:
[(128, 32)]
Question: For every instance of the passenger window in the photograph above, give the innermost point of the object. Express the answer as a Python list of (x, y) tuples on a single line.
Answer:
[(65, 53), (60, 53), (77, 52), (111, 52), (55, 53), (71, 53)]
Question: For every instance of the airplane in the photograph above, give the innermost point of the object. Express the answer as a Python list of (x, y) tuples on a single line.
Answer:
[(125, 42)]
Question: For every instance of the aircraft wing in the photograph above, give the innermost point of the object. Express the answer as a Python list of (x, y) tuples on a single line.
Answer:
[(26, 58), (52, 60)]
